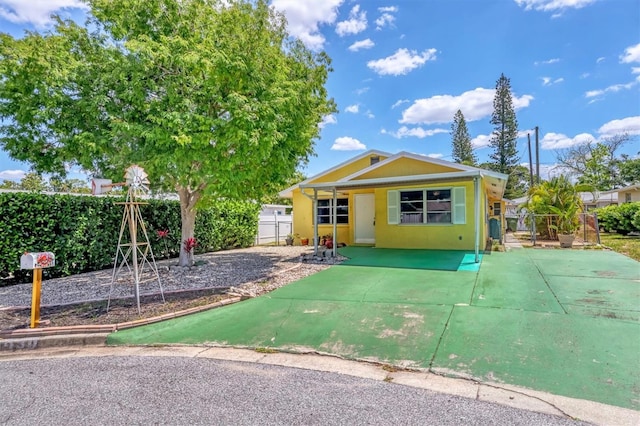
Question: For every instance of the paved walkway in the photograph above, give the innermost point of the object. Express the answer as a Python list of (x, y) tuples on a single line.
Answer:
[(560, 321), (511, 242)]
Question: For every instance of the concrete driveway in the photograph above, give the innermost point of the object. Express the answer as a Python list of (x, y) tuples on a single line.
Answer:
[(560, 321)]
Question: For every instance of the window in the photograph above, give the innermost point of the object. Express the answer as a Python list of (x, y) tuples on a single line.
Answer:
[(497, 209), (325, 213), (432, 206), (425, 206)]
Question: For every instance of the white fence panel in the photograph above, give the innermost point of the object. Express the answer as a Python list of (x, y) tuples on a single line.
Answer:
[(274, 228)]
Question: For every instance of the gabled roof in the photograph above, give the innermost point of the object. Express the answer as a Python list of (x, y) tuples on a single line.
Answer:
[(418, 157), (287, 192), (495, 182)]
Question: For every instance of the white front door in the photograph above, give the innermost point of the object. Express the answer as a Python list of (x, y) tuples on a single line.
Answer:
[(365, 215)]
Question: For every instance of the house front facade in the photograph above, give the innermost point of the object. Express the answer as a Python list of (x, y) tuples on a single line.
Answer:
[(401, 200)]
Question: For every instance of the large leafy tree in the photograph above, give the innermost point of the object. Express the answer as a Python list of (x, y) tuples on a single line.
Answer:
[(598, 163), (503, 138), (461, 141), (211, 97)]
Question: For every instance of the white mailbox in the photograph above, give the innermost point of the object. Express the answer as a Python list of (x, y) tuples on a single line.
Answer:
[(44, 259)]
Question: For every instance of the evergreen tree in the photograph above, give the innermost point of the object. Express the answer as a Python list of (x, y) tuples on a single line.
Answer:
[(461, 141), (505, 132)]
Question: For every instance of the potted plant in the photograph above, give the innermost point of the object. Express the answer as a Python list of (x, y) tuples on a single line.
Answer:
[(566, 223), (304, 241), (558, 201), (290, 238), (327, 241)]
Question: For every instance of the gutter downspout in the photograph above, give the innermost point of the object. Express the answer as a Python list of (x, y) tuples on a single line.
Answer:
[(476, 187), (335, 222)]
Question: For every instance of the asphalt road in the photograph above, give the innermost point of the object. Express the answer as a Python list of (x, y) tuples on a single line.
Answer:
[(115, 390)]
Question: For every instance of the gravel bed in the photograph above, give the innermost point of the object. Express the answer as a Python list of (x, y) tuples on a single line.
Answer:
[(251, 271)]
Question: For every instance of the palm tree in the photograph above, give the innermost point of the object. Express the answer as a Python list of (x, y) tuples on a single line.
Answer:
[(559, 201)]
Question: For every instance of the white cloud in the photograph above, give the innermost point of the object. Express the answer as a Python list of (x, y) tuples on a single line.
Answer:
[(635, 70), (353, 109), (630, 125), (384, 20), (474, 104), (553, 5), (356, 23), (369, 114), (362, 91), (547, 62), (480, 141), (305, 16), (328, 119), (418, 132), (12, 174), (401, 62), (346, 143), (362, 44), (436, 156), (388, 9), (584, 75), (600, 59), (400, 102), (36, 12), (558, 140), (611, 89), (547, 81), (631, 54)]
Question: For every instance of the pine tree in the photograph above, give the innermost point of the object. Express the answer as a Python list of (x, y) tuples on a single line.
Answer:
[(505, 132), (461, 141)]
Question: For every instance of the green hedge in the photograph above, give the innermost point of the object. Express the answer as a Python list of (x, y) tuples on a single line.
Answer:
[(619, 218), (82, 231)]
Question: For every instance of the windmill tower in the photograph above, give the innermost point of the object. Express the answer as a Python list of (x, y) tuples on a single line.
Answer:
[(134, 254)]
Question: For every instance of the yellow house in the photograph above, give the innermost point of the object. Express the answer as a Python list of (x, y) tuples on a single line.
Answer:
[(401, 200)]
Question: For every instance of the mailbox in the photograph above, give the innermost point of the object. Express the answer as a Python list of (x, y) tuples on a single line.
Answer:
[(44, 259)]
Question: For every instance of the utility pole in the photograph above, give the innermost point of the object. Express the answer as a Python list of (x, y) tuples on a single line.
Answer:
[(537, 158), (530, 161)]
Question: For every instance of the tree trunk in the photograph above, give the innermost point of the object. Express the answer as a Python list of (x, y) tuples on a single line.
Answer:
[(188, 200)]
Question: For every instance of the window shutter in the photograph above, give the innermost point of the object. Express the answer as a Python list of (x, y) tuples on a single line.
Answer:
[(459, 210), (393, 207)]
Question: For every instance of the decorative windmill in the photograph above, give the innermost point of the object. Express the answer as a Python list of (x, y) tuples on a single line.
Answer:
[(134, 251)]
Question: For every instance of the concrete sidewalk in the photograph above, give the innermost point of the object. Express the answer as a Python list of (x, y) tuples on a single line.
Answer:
[(558, 321)]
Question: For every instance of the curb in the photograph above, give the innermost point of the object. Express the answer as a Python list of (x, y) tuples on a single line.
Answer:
[(80, 335)]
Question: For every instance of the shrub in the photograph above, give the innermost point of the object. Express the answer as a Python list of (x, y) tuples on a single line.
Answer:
[(621, 219), (82, 231)]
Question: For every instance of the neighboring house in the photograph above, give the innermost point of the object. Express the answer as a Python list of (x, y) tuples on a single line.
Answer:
[(277, 209), (628, 194), (399, 200)]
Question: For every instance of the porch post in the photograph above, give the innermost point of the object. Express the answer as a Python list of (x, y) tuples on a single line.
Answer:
[(315, 221), (335, 222), (476, 188)]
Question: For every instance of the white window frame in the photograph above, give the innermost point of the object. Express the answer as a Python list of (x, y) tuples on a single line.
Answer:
[(330, 215), (457, 210)]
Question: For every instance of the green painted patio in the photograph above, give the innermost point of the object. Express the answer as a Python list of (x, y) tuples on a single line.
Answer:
[(561, 321)]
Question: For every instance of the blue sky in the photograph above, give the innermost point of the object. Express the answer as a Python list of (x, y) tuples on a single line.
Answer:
[(403, 68)]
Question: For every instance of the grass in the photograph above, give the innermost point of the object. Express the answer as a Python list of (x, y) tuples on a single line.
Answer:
[(629, 246)]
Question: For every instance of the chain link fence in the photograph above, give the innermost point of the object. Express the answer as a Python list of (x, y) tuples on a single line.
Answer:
[(541, 229)]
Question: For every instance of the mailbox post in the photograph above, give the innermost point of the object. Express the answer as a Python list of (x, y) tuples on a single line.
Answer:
[(36, 261)]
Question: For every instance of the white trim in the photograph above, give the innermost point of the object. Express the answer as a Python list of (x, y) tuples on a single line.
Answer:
[(418, 157), (287, 193)]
